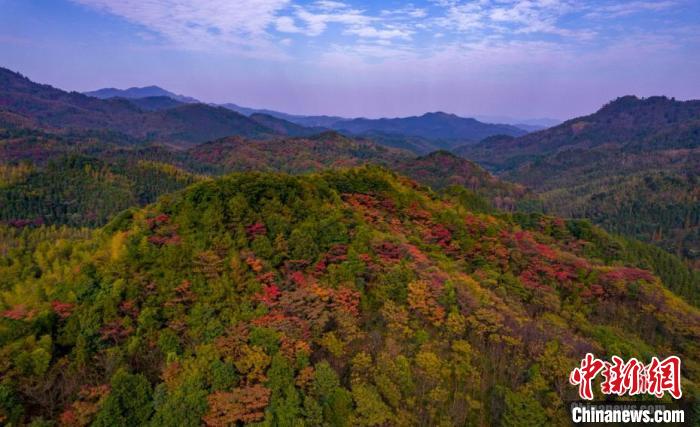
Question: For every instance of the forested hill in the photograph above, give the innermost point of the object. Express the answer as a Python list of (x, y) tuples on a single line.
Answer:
[(82, 181), (631, 167), (630, 123), (342, 298)]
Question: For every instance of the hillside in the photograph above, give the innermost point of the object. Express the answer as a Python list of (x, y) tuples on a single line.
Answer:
[(44, 183), (342, 298), (449, 129), (438, 170), (284, 127), (24, 103), (631, 167), (82, 191), (442, 169), (155, 103), (293, 155)]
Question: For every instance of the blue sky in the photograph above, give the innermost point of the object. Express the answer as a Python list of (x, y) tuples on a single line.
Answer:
[(518, 58)]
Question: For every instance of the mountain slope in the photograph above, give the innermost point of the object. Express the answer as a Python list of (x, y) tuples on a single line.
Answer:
[(632, 167), (344, 298), (284, 127), (449, 129), (155, 103), (103, 156), (306, 121), (52, 109), (140, 92)]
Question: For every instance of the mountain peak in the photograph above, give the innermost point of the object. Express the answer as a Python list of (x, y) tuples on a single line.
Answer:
[(139, 92), (440, 114)]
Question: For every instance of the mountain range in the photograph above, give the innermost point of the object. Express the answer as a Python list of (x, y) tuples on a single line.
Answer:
[(168, 263), (25, 103), (436, 130)]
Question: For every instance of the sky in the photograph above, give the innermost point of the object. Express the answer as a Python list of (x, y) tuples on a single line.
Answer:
[(497, 58)]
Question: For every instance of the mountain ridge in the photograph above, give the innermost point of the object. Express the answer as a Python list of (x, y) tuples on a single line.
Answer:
[(632, 166)]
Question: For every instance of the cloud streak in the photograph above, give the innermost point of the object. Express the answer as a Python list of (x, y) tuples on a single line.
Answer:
[(202, 24)]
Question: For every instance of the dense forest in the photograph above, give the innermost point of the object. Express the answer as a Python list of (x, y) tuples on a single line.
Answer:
[(341, 298), (631, 167)]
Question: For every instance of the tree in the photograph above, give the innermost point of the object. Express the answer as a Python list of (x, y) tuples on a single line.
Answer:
[(245, 404), (522, 410), (128, 403)]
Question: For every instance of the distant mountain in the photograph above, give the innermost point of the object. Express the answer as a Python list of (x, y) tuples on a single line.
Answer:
[(307, 121), (633, 167), (139, 92), (424, 134), (415, 144), (284, 127), (541, 123), (529, 128), (25, 103), (450, 129), (155, 103)]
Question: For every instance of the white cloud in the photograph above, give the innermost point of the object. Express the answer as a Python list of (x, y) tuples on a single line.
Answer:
[(316, 22), (386, 33), (286, 24), (197, 24), (629, 8), (330, 5), (261, 27)]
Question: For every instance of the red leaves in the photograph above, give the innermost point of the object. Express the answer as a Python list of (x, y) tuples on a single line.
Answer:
[(267, 278), (82, 411), (18, 312), (417, 255), (166, 233), (62, 309), (370, 205), (592, 291), (269, 295), (183, 295), (439, 234), (255, 230), (115, 331), (389, 252), (254, 263), (422, 298), (347, 300), (336, 254), (417, 214), (246, 405), (627, 274), (157, 221), (298, 279), (164, 240), (129, 308)]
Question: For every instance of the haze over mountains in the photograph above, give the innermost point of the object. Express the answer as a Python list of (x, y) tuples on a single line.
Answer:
[(439, 130)]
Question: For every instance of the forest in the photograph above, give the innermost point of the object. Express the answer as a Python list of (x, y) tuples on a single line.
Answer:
[(179, 264), (345, 297)]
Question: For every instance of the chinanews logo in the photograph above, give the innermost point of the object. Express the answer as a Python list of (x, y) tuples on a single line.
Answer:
[(631, 378)]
